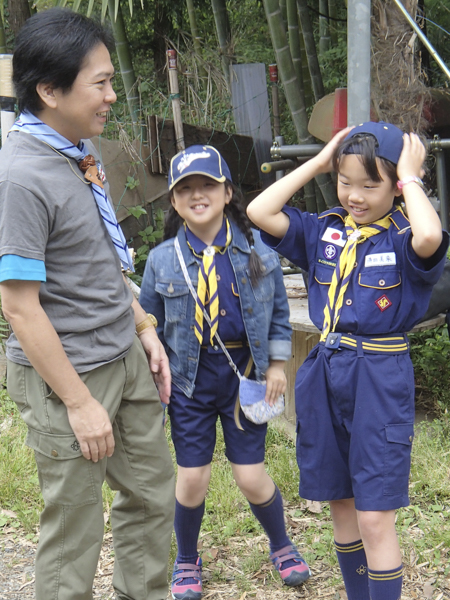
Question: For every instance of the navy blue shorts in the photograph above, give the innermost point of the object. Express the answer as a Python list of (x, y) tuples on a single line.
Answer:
[(193, 420), (355, 427)]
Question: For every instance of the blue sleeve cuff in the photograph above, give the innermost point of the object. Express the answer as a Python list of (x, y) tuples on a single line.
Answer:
[(20, 268)]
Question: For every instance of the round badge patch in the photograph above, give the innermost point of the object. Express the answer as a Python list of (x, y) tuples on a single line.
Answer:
[(330, 251)]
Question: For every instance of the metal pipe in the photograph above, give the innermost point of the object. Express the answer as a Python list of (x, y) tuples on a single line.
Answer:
[(442, 188), (358, 57), (423, 38), (296, 150), (278, 165)]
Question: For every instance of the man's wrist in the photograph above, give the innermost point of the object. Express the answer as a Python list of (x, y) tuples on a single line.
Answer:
[(149, 321)]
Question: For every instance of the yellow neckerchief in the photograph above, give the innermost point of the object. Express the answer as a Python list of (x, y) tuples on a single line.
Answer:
[(344, 268), (207, 282)]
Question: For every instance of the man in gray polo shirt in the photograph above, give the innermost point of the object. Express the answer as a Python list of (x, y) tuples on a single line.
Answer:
[(84, 357)]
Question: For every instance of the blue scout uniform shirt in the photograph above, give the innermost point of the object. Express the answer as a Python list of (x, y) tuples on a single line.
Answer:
[(231, 326), (390, 287)]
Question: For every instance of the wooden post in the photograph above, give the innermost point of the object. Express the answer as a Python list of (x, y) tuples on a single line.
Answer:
[(175, 97), (273, 74)]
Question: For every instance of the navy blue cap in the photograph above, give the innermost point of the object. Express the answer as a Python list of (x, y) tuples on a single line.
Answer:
[(198, 160), (388, 136)]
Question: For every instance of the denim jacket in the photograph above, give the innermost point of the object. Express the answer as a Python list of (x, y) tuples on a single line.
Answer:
[(265, 309)]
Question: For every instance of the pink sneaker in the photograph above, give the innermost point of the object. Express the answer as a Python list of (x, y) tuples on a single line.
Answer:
[(187, 581), (290, 565)]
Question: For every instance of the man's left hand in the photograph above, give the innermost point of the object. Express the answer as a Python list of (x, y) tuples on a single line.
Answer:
[(158, 362)]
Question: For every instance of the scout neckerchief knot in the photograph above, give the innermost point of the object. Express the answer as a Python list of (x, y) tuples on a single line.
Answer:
[(344, 268), (28, 123), (207, 287)]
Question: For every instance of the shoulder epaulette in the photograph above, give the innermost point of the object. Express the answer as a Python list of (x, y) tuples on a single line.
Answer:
[(400, 220), (337, 211)]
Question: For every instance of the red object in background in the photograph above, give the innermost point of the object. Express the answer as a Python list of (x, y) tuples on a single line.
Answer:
[(340, 110), (273, 73), (172, 55)]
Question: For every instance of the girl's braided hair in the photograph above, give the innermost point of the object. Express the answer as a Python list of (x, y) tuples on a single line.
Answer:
[(236, 212)]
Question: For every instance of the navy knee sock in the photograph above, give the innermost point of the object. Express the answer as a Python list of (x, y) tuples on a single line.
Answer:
[(271, 516), (386, 585), (353, 562), (187, 529)]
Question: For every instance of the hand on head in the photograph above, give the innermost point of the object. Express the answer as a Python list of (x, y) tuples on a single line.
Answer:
[(412, 157), (325, 157)]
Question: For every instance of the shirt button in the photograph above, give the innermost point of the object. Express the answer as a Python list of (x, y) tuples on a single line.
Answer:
[(349, 302), (257, 343), (243, 280), (355, 265), (410, 438), (234, 250), (250, 310), (382, 282), (218, 277), (54, 453), (223, 312), (170, 289)]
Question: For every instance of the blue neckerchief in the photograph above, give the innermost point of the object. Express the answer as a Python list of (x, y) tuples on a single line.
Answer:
[(28, 123)]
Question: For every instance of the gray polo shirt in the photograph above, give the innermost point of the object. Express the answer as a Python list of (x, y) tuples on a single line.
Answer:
[(48, 212)]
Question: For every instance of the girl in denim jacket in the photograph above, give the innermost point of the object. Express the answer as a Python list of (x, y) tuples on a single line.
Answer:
[(239, 282)]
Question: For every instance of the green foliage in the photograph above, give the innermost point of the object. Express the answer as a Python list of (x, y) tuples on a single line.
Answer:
[(430, 353), (150, 236), (19, 490), (333, 64)]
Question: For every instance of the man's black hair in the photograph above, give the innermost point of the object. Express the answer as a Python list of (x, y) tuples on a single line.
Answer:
[(51, 48)]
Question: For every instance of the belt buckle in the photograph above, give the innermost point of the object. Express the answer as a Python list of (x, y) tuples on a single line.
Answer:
[(333, 340)]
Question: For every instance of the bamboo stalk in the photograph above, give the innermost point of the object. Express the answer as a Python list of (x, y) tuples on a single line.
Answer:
[(273, 75), (175, 97)]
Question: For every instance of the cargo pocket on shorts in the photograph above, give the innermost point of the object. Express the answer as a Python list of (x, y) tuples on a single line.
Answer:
[(397, 458), (65, 476)]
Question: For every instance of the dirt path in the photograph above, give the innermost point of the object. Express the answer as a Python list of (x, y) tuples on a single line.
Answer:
[(17, 577)]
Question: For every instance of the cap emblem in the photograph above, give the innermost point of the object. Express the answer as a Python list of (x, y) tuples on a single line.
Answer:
[(188, 159)]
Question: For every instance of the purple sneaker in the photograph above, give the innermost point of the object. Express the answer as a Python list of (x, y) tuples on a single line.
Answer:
[(290, 565), (187, 581)]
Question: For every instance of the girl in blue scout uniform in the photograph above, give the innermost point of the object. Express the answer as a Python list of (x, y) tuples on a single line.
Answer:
[(239, 281), (371, 271)]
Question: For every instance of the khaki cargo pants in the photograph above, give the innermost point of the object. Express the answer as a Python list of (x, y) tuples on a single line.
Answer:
[(141, 470)]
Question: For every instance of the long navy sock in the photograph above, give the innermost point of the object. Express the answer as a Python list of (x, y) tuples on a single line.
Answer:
[(353, 562), (386, 585), (271, 516), (187, 529)]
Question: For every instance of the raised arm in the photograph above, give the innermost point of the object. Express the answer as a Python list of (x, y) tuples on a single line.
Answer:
[(266, 209), (425, 224), (40, 342)]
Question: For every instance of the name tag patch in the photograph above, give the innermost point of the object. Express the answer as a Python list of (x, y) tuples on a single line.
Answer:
[(334, 236), (383, 303), (381, 260)]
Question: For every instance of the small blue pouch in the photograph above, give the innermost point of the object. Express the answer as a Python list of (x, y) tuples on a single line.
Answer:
[(252, 398)]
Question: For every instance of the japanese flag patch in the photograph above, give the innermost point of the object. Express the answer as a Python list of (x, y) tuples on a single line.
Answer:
[(383, 303), (334, 236)]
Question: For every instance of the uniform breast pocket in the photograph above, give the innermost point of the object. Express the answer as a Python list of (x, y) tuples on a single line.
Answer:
[(265, 288), (175, 295), (379, 291), (323, 274)]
